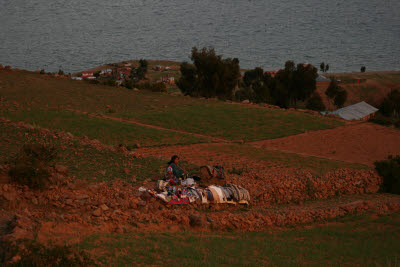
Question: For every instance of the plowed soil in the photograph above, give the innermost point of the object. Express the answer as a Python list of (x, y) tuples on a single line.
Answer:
[(359, 143)]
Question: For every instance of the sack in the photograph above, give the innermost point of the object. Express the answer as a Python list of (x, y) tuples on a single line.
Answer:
[(219, 172), (208, 172)]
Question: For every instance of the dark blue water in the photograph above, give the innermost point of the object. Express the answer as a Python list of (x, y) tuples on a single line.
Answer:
[(75, 35)]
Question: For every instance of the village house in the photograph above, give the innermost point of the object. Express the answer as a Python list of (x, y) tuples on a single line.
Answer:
[(124, 73), (359, 111), (86, 74), (167, 79), (105, 72)]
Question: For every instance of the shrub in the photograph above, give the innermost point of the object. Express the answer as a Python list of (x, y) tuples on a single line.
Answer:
[(159, 87), (143, 86), (340, 98), (33, 253), (128, 84), (42, 71), (315, 103), (380, 119), (244, 94), (94, 81), (390, 106), (60, 72), (109, 82), (30, 166), (390, 171)]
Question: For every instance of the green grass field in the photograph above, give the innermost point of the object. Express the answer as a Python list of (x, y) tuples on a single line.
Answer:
[(84, 161), (357, 240), (105, 130), (210, 117)]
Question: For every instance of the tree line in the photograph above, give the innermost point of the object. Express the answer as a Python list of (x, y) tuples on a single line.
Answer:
[(210, 75)]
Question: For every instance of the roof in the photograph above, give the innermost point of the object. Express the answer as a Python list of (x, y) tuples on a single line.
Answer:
[(321, 78), (356, 111)]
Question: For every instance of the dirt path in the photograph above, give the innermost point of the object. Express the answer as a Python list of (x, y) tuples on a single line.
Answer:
[(359, 143), (131, 121)]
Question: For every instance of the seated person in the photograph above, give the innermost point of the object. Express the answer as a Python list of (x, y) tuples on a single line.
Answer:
[(174, 172)]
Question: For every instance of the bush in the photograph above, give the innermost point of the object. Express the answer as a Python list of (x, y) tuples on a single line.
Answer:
[(33, 253), (390, 106), (128, 84), (158, 87), (30, 166), (42, 71), (380, 119), (94, 81), (340, 98), (315, 103), (109, 82), (390, 171), (143, 86)]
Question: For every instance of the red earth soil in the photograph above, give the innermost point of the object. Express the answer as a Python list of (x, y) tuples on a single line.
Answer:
[(78, 208), (359, 143)]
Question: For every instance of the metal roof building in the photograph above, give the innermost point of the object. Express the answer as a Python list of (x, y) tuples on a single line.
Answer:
[(355, 112), (322, 78)]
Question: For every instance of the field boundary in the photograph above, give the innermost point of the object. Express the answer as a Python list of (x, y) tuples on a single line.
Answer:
[(131, 121)]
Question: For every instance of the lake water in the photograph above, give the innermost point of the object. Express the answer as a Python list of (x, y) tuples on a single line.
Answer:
[(75, 35)]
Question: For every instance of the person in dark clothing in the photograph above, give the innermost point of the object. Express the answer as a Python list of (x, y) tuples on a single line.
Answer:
[(173, 169)]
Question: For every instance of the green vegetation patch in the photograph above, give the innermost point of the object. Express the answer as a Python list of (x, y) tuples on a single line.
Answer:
[(105, 130), (356, 241), (83, 161), (210, 117), (236, 122)]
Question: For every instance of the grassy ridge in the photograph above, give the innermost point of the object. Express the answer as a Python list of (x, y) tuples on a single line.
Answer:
[(334, 244), (107, 131), (236, 122), (83, 161), (210, 117)]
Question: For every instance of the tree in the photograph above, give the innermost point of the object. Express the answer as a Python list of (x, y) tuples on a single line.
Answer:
[(363, 69), (326, 68), (294, 83), (322, 66), (332, 89), (210, 75), (140, 72), (336, 93), (340, 98), (390, 106), (255, 83), (60, 72), (390, 171), (315, 103), (188, 82)]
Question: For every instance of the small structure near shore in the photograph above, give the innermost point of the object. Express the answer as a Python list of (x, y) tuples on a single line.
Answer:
[(359, 111)]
